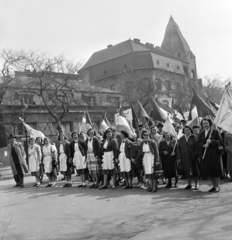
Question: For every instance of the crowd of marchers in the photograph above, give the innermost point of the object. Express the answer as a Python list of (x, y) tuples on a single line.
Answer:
[(113, 158)]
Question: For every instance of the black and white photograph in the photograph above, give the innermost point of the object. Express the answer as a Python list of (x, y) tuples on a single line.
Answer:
[(115, 120)]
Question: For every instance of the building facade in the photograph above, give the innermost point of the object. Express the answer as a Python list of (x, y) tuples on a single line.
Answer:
[(141, 71), (21, 101)]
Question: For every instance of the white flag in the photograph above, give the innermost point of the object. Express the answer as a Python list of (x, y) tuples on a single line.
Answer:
[(223, 118), (168, 127), (104, 126), (33, 132)]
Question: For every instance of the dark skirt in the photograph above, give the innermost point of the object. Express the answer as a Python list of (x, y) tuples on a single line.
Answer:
[(109, 172), (191, 168), (69, 171), (54, 171), (81, 171), (169, 166)]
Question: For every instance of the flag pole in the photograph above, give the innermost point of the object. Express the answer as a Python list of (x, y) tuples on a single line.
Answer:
[(211, 130), (174, 147)]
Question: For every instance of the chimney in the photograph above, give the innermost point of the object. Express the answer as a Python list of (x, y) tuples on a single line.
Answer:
[(136, 40), (110, 45), (149, 44)]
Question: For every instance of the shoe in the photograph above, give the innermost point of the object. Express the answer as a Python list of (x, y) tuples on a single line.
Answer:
[(103, 187), (62, 179), (49, 185), (216, 190), (168, 186), (154, 189), (21, 186), (81, 185), (212, 189), (69, 185), (196, 188), (149, 189), (113, 187), (84, 185), (34, 185), (37, 185), (96, 186), (65, 185), (126, 187), (188, 187), (131, 187), (92, 186), (17, 185), (139, 185), (53, 184), (143, 187), (176, 185)]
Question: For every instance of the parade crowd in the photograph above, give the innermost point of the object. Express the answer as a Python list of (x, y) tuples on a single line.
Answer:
[(113, 158)]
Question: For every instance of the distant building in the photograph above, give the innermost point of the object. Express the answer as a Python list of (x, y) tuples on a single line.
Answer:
[(139, 69), (96, 100)]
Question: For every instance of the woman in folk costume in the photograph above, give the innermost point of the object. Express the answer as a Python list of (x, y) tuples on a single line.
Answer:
[(39, 142), (125, 159), (50, 160), (93, 147), (150, 153), (168, 153), (110, 158), (187, 153), (209, 141), (77, 154), (34, 160), (66, 166)]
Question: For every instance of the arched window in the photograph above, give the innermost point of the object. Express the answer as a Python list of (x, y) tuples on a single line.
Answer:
[(193, 74)]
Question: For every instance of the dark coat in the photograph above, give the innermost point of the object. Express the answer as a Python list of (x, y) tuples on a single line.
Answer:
[(66, 146), (82, 147), (211, 165), (135, 154), (187, 151), (127, 148), (96, 146), (168, 162)]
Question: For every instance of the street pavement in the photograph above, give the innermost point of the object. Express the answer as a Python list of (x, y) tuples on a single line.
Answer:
[(82, 213)]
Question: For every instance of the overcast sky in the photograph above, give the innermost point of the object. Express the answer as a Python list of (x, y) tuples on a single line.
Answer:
[(80, 27)]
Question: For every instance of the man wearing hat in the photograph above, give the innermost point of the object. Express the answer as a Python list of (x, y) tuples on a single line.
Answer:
[(17, 159)]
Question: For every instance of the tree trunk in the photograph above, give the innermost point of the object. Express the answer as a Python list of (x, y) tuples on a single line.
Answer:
[(59, 127)]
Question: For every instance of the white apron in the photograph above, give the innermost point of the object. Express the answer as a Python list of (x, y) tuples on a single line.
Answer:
[(108, 163), (63, 159), (78, 160), (33, 163), (47, 161), (148, 160), (124, 162)]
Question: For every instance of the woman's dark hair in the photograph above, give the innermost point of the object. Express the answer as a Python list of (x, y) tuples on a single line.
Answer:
[(91, 129), (125, 133), (60, 135), (47, 140), (106, 131), (153, 126), (145, 131), (190, 129), (208, 120), (74, 133)]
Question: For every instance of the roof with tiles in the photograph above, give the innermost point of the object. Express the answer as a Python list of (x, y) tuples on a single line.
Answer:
[(123, 48)]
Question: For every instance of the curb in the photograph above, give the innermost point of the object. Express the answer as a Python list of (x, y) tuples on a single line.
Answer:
[(8, 177)]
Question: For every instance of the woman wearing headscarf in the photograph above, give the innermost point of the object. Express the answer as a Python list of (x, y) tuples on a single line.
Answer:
[(110, 158), (168, 153), (65, 162), (125, 159), (187, 153), (209, 142), (78, 156), (34, 160), (50, 161), (150, 155), (93, 148)]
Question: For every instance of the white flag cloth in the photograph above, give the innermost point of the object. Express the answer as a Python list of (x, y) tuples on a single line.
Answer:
[(128, 114), (104, 126), (168, 127), (122, 124), (223, 118), (33, 132)]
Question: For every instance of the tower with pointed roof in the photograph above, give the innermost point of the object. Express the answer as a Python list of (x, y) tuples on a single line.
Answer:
[(175, 44)]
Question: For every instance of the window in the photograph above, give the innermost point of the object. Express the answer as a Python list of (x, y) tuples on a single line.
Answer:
[(112, 87), (88, 99), (28, 98), (113, 100), (167, 65), (20, 129), (158, 84), (178, 67), (105, 72), (157, 62)]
